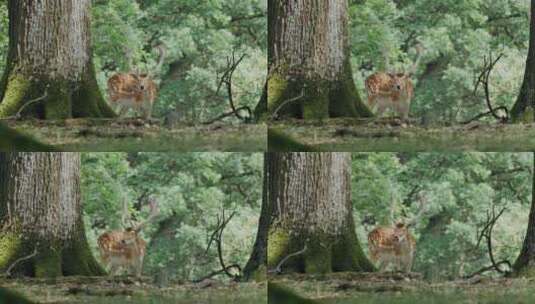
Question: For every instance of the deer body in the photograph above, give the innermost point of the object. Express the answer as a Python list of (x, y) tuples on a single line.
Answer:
[(134, 90), (122, 249), (390, 91), (125, 249), (393, 90), (392, 246)]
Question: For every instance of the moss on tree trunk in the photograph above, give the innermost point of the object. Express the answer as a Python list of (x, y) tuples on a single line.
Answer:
[(50, 71), (40, 210), (312, 214), (310, 72)]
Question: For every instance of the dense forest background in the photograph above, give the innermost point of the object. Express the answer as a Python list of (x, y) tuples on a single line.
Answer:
[(192, 190), (198, 35), (455, 192), (457, 36)]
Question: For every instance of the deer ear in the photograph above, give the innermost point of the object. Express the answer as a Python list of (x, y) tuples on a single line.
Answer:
[(400, 225), (391, 75), (401, 75)]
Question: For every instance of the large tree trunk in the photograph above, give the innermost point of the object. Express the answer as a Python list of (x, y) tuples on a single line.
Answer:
[(525, 263), (310, 197), (40, 209), (255, 269), (50, 56), (309, 55), (523, 110)]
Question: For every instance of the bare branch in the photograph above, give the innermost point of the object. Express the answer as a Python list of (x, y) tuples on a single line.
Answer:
[(217, 239), (274, 116), (486, 233), (278, 269), (8, 271), (226, 79), (217, 272), (24, 106), (225, 115), (483, 80)]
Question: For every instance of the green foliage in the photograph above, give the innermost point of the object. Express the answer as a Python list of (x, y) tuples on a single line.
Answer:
[(192, 189), (455, 192), (456, 35), (198, 37)]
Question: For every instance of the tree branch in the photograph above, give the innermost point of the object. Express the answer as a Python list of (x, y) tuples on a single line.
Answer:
[(278, 269), (217, 238), (8, 271), (483, 79)]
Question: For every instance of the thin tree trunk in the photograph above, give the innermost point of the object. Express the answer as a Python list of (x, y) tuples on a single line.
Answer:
[(255, 269), (309, 60), (523, 110), (310, 194), (40, 209), (50, 56), (525, 263)]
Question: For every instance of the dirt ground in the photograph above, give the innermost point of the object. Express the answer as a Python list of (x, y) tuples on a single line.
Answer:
[(130, 290), (347, 135), (349, 288), (138, 135)]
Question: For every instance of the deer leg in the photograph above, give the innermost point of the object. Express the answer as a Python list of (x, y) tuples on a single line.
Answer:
[(371, 101), (400, 262), (382, 265), (408, 263), (113, 270), (122, 110), (139, 267), (402, 108), (147, 110), (381, 107)]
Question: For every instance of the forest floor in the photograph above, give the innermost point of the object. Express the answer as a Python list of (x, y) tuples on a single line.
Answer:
[(139, 135), (115, 290), (397, 288), (363, 135)]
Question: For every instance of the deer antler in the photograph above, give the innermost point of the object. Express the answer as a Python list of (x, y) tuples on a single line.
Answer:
[(162, 53), (419, 51), (154, 211), (422, 201), (125, 214)]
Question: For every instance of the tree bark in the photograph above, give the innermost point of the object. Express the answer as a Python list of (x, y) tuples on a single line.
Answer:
[(309, 61), (40, 209), (525, 263), (523, 110), (255, 269), (310, 197), (49, 58)]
